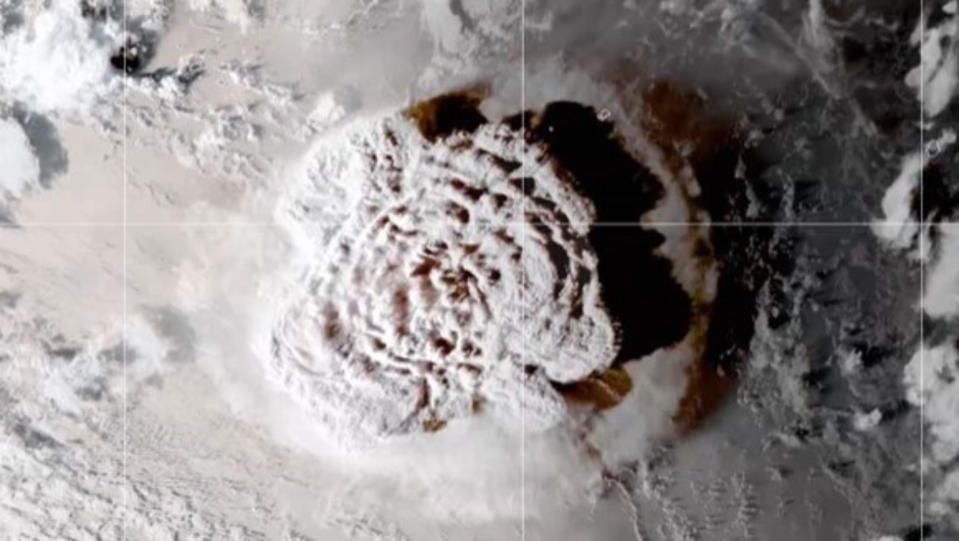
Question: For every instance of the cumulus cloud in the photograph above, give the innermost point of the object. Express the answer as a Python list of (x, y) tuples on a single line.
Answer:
[(932, 381), (941, 298), (936, 77), (19, 166), (58, 60)]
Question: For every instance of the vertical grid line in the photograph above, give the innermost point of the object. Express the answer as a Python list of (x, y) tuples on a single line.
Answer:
[(523, 322), (922, 270), (123, 228)]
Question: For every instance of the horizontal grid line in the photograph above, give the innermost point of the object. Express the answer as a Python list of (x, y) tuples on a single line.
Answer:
[(120, 225), (176, 224)]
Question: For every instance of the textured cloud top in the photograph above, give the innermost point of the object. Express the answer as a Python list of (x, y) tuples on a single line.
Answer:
[(450, 274), (455, 268)]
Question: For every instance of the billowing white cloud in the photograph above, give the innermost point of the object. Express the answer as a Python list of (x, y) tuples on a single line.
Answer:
[(19, 166), (59, 61), (936, 77)]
